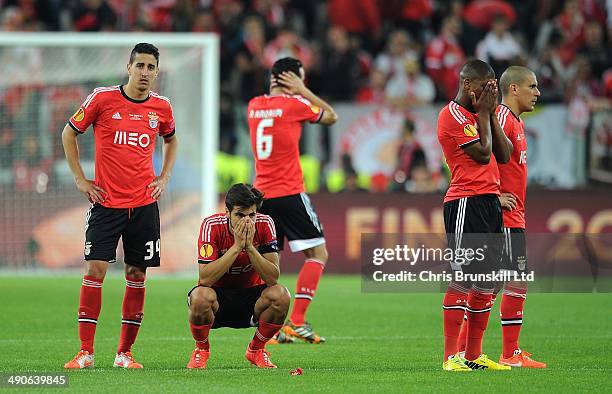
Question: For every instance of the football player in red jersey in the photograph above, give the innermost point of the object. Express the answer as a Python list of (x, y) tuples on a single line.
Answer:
[(519, 87), (473, 142), (126, 120), (275, 124), (238, 281)]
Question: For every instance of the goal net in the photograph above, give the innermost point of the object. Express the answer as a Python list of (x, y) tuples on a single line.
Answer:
[(46, 77)]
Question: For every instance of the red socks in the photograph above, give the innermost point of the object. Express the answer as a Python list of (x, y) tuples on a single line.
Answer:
[(90, 303), (200, 334), (454, 309), (511, 311), (132, 312), (307, 282), (463, 334), (264, 332), (478, 311)]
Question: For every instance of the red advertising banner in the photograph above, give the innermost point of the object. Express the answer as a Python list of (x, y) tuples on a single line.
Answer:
[(54, 238), (346, 216)]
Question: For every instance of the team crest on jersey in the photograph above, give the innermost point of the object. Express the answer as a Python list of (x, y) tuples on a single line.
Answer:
[(315, 109), (153, 120), (206, 250), (470, 131), (79, 115)]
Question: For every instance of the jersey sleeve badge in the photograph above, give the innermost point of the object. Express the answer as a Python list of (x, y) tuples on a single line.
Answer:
[(79, 115), (206, 250), (470, 131)]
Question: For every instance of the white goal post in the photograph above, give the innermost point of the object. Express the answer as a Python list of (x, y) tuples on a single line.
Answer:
[(207, 46)]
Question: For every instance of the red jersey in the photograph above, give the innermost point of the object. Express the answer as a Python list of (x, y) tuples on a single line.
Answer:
[(275, 124), (514, 173), (216, 238), (124, 133), (458, 127), (443, 61)]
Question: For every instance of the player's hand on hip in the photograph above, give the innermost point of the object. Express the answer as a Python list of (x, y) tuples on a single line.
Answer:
[(507, 201), (94, 193), (291, 83), (158, 186)]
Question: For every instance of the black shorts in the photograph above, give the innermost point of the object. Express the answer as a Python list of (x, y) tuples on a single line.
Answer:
[(236, 306), (475, 223), (137, 227), (295, 218), (515, 250)]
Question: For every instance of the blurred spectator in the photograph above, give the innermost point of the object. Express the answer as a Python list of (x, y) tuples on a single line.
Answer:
[(550, 82), (204, 22), (30, 170), (13, 19), (273, 11), (287, 44), (415, 17), (229, 15), (413, 89), (499, 48), (584, 94), (421, 179), (339, 63), (571, 24), (93, 15), (251, 72), (359, 17), (408, 153), (444, 58), (594, 49), (563, 68), (183, 15), (374, 92), (30, 15), (305, 13), (351, 183), (399, 50)]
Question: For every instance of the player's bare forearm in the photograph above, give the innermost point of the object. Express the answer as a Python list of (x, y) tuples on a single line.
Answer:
[(170, 150), (329, 115), (71, 150), (480, 151), (502, 146), (267, 270), (210, 273)]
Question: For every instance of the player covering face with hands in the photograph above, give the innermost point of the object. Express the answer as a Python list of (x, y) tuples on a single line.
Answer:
[(473, 143), (519, 88), (238, 278)]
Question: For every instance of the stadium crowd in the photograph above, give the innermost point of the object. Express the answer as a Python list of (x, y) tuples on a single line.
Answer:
[(400, 53)]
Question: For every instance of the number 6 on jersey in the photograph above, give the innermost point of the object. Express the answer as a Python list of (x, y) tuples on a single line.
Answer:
[(264, 141)]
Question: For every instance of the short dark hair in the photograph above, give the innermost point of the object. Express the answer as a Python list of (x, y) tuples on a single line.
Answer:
[(286, 64), (476, 70), (243, 195), (144, 47), (513, 75)]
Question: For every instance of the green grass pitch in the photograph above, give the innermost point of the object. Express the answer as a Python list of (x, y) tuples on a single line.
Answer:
[(376, 342)]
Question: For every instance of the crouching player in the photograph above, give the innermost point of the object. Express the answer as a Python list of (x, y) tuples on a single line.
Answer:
[(237, 285)]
